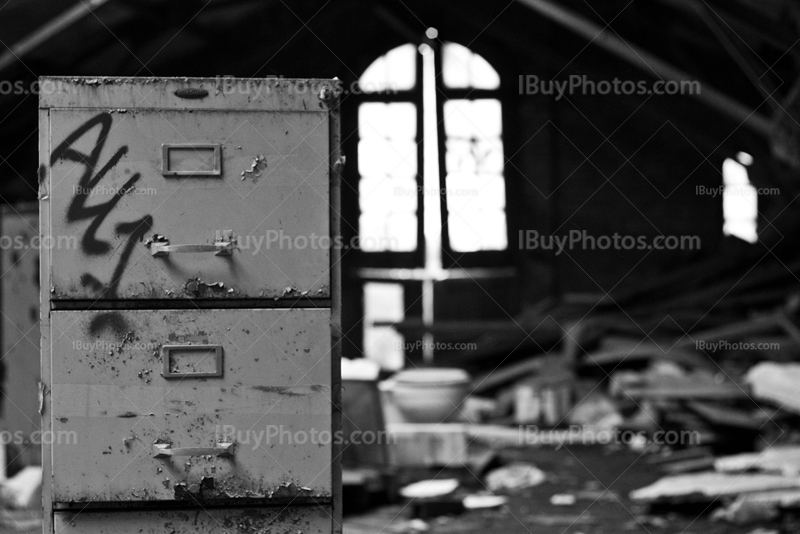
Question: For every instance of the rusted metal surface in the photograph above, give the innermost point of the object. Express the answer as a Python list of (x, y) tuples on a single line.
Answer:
[(272, 398), (295, 519), (107, 188), (190, 342), (276, 94), (337, 162), (44, 321)]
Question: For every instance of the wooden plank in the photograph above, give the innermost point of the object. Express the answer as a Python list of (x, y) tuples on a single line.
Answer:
[(614, 350), (707, 487), (683, 388), (692, 453), (66, 19), (732, 332), (724, 416), (649, 63), (782, 460), (689, 466)]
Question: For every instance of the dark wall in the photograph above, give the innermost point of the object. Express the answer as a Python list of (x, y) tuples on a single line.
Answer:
[(601, 164)]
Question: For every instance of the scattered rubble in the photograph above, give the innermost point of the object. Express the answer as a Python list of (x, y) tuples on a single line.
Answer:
[(514, 476), (776, 382), (429, 488), (23, 490), (483, 501), (563, 499), (708, 486), (778, 460)]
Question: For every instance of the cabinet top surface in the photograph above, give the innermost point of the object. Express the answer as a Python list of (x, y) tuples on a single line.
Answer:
[(221, 92)]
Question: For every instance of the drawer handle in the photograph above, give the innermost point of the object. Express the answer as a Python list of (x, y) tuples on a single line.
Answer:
[(163, 248), (223, 245), (163, 450)]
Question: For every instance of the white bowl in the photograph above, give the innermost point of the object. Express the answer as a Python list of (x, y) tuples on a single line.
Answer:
[(428, 395)]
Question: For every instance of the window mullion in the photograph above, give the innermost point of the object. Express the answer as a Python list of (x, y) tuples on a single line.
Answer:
[(441, 149)]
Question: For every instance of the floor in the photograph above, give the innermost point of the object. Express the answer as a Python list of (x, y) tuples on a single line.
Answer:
[(585, 472), (599, 478)]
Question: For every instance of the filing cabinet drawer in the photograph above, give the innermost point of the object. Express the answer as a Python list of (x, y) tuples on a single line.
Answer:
[(305, 519), (172, 204), (181, 406)]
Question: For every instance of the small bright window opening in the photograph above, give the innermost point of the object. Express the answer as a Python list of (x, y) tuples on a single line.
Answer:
[(739, 199), (383, 303)]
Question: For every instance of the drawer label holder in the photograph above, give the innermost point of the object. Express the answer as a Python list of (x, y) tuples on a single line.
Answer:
[(198, 159), (191, 361)]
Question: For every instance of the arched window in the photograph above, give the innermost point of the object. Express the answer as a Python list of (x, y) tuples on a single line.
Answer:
[(387, 155), (431, 188), (390, 146), (474, 154)]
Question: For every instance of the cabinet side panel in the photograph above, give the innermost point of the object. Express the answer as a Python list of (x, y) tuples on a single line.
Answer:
[(44, 317), (337, 162)]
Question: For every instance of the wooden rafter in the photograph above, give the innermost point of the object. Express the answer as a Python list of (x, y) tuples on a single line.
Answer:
[(648, 62), (47, 31)]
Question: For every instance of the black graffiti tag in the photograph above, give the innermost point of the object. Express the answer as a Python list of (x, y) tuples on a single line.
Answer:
[(78, 209)]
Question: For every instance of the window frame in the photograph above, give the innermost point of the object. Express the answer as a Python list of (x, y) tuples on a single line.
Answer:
[(452, 259), (389, 258)]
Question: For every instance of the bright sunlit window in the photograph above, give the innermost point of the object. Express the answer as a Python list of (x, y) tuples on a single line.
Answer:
[(383, 302), (739, 199), (476, 189), (464, 69), (387, 163), (473, 153), (393, 71)]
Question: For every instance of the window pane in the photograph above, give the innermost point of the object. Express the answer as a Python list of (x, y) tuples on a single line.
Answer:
[(472, 192), (489, 155), (387, 158), (481, 118), (382, 196), (394, 71), (397, 120), (459, 157), (475, 184), (393, 232), (387, 163), (739, 202), (383, 344), (463, 69), (483, 156), (472, 233)]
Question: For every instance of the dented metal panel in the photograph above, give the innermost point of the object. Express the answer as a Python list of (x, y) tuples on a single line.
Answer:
[(266, 199), (295, 519), (161, 197), (260, 430), (277, 94)]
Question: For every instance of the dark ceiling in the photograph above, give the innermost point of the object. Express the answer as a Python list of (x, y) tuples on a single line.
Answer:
[(314, 38)]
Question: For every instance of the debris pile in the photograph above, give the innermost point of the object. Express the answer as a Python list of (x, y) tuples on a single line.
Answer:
[(699, 375)]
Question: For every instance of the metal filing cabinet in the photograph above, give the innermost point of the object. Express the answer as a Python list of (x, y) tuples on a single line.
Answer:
[(190, 355)]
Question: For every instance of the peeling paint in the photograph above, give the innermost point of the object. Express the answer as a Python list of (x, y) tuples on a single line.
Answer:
[(258, 165)]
